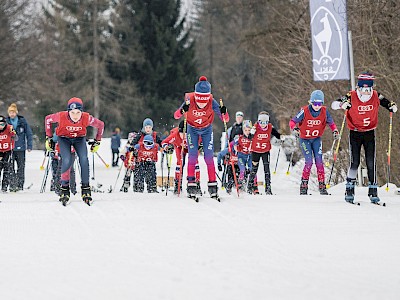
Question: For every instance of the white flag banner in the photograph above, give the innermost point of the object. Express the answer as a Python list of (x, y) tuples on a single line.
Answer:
[(330, 50)]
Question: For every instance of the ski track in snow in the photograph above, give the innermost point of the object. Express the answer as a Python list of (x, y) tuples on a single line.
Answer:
[(147, 246)]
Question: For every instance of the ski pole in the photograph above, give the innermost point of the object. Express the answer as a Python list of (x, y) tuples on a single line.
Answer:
[(187, 101), (230, 151), (337, 149), (44, 160), (102, 160), (291, 158), (162, 171), (327, 163), (388, 152), (44, 181), (276, 165), (169, 159), (116, 180)]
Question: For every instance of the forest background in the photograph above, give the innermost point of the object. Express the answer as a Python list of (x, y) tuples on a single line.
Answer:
[(131, 59)]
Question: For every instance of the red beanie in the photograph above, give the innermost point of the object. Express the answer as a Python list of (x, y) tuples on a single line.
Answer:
[(75, 103)]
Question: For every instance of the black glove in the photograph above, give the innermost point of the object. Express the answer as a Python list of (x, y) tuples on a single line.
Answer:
[(185, 108), (296, 132), (222, 109), (169, 149), (220, 168), (200, 147), (345, 103), (336, 134)]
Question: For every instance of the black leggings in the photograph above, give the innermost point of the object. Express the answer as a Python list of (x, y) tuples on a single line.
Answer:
[(255, 160), (356, 140)]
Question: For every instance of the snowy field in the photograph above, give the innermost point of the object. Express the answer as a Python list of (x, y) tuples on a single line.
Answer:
[(140, 246)]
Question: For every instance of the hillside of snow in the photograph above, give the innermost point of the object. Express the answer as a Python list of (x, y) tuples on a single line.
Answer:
[(141, 246)]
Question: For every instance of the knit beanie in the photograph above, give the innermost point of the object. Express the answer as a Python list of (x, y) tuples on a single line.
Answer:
[(365, 80), (13, 107), (202, 90), (317, 97), (147, 122), (75, 103)]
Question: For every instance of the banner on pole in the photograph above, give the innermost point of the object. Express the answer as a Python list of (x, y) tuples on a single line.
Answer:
[(330, 51)]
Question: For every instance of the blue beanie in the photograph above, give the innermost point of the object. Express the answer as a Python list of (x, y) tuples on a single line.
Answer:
[(317, 96), (365, 79), (148, 141), (147, 122), (203, 86)]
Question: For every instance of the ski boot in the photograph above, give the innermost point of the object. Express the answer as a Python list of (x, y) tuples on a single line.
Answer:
[(125, 187), (64, 195), (268, 190), (349, 196), (192, 191), (255, 190), (152, 189), (52, 186), (304, 187), (373, 193), (322, 189), (213, 190), (73, 189), (199, 188), (86, 194)]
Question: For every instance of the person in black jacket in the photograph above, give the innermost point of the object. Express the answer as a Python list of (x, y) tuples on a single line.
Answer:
[(24, 133)]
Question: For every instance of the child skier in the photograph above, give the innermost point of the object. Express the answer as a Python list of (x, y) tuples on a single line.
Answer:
[(260, 135), (362, 107), (7, 138), (242, 146), (312, 120), (174, 141), (147, 128), (71, 131), (129, 162), (231, 166), (147, 156), (199, 108)]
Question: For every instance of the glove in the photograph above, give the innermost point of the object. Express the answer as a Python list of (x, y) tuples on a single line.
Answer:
[(50, 144), (336, 134), (169, 149), (13, 134), (296, 132), (185, 108), (392, 107), (253, 130), (95, 145), (122, 157), (222, 109), (345, 103), (220, 168), (200, 147)]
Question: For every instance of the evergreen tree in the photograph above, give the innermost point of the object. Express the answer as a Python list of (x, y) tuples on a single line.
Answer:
[(166, 68)]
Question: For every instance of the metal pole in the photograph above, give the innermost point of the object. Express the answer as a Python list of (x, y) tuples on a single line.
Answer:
[(353, 86)]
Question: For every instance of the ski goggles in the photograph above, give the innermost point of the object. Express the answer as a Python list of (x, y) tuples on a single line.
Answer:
[(317, 103), (263, 119), (239, 114), (148, 144), (366, 89)]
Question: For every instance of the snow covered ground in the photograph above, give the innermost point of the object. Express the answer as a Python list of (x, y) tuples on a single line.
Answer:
[(140, 246)]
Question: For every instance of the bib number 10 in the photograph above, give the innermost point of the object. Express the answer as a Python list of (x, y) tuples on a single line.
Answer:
[(312, 133)]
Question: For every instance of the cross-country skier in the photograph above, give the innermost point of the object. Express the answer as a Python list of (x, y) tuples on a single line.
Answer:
[(260, 135), (242, 146), (7, 138), (362, 107), (71, 131), (312, 120), (145, 166), (199, 108), (174, 141)]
